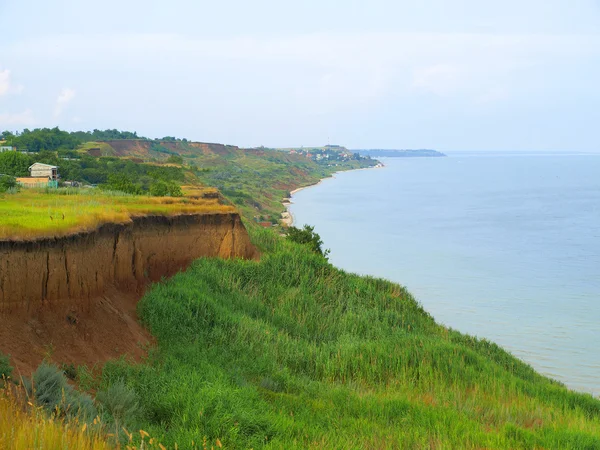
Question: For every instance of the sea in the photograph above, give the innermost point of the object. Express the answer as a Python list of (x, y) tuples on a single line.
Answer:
[(503, 246)]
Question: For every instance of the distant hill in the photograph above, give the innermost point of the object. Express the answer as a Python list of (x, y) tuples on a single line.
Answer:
[(379, 153)]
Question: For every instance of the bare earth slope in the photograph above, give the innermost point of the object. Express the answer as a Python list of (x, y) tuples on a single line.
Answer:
[(73, 298)]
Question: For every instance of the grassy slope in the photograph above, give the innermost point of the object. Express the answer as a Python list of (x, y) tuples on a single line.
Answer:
[(35, 213), (254, 180), (290, 352)]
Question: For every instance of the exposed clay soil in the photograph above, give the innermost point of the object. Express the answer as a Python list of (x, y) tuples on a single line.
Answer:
[(90, 333), (73, 298)]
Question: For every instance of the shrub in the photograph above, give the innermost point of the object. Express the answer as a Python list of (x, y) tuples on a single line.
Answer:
[(165, 188), (309, 237), (7, 182), (123, 183), (175, 159), (5, 367), (120, 401), (69, 370), (51, 391)]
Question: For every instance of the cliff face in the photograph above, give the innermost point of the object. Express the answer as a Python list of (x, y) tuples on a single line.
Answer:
[(127, 256), (73, 299)]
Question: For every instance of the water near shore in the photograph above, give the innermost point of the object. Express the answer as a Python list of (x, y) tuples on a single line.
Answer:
[(505, 247)]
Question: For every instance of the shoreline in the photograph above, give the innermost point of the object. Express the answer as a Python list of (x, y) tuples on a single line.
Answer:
[(287, 218)]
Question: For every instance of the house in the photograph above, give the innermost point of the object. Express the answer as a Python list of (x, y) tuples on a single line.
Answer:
[(43, 170), (6, 148), (41, 175)]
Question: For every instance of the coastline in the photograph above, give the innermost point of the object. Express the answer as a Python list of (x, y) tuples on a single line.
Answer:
[(287, 218)]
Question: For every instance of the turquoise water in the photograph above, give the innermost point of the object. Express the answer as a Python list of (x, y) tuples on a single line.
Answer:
[(505, 247)]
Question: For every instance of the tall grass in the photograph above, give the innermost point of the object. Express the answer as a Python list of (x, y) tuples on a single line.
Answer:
[(290, 352), (36, 213), (26, 427)]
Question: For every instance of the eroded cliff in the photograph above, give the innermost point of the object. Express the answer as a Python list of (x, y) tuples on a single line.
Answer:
[(73, 298)]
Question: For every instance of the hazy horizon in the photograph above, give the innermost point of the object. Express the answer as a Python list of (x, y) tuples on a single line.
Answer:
[(390, 75)]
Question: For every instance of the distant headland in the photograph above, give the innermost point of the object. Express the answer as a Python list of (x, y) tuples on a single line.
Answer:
[(380, 153)]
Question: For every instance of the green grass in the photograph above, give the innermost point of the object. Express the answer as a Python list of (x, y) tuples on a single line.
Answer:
[(290, 352), (37, 212)]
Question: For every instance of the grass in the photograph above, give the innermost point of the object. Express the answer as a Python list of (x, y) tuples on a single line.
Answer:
[(37, 213), (290, 352), (25, 427)]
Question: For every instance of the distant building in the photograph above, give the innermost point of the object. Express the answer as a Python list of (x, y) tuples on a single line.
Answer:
[(41, 175), (38, 170), (6, 148)]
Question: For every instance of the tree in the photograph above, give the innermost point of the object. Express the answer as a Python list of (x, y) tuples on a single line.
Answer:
[(165, 188), (175, 159), (122, 183), (14, 164), (307, 236), (7, 182)]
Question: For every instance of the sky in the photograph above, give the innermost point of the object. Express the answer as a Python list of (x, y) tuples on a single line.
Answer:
[(442, 74)]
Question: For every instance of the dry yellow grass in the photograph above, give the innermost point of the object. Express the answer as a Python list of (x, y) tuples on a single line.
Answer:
[(36, 213), (24, 427)]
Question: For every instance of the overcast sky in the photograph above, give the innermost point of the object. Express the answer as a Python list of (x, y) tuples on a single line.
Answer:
[(443, 74)]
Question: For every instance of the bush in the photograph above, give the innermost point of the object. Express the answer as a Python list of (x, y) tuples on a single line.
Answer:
[(164, 189), (51, 391), (175, 159), (120, 401), (5, 367), (122, 183), (307, 236), (7, 182), (49, 386)]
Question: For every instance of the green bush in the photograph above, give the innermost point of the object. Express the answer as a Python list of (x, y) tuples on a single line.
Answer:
[(51, 390), (307, 236), (7, 182), (123, 183), (5, 367), (120, 401), (164, 189), (175, 159)]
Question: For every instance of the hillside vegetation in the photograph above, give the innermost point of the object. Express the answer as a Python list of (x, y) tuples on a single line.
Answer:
[(290, 352), (255, 180)]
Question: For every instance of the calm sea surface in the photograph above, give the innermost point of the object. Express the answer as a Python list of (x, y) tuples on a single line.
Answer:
[(505, 247)]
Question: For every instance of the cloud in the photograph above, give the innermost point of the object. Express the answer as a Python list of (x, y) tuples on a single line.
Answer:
[(64, 98), (6, 85), (24, 118)]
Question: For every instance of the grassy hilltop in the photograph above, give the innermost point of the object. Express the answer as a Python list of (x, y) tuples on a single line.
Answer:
[(283, 353)]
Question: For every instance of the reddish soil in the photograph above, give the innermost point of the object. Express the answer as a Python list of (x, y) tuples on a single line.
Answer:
[(73, 299), (90, 332)]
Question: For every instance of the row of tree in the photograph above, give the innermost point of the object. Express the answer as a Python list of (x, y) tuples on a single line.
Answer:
[(52, 139)]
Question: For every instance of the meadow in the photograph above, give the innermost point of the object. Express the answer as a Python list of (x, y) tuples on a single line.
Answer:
[(33, 213), (290, 352)]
